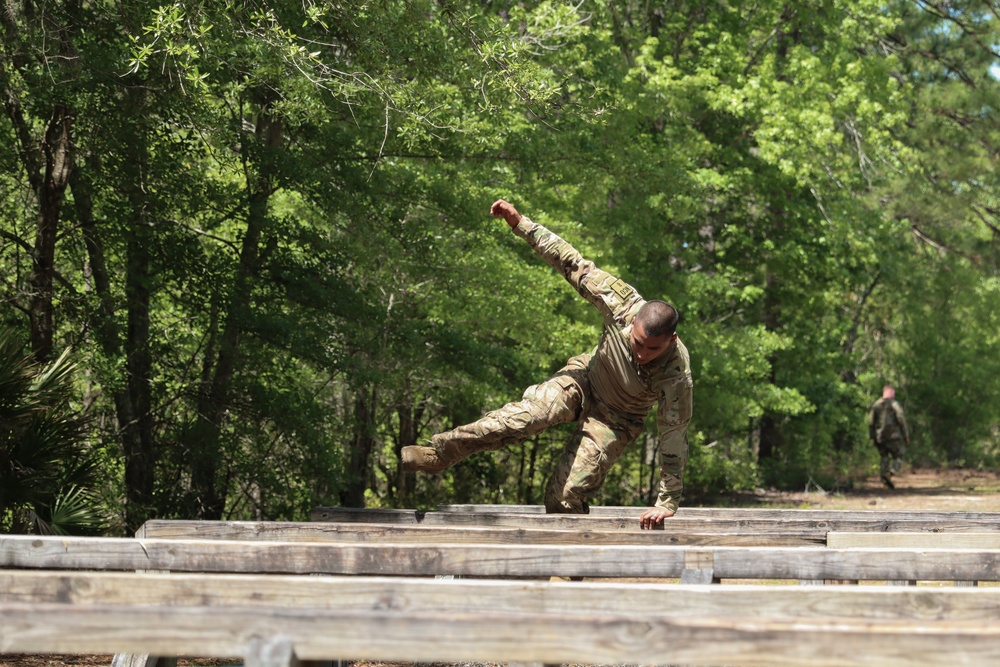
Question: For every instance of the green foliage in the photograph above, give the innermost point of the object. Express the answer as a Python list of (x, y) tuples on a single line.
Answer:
[(47, 473), (275, 262)]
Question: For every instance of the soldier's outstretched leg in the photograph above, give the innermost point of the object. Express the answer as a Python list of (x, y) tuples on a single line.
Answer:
[(559, 399)]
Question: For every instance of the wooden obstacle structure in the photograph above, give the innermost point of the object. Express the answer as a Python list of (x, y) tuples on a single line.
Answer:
[(366, 584)]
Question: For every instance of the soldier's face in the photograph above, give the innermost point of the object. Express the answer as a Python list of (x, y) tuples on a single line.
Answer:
[(648, 348)]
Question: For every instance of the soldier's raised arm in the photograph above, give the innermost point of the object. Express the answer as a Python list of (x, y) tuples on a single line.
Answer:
[(616, 299)]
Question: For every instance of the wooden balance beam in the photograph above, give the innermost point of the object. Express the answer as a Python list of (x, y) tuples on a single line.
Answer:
[(276, 620), (461, 596), (774, 524), (499, 560), (323, 531), (745, 513)]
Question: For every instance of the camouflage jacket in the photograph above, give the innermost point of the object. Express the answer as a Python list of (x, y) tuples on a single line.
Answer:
[(886, 421), (624, 389)]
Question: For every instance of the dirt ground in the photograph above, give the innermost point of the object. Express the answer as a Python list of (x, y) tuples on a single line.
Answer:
[(970, 490), (56, 660)]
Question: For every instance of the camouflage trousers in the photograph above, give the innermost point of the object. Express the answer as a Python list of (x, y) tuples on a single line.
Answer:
[(598, 441), (891, 454)]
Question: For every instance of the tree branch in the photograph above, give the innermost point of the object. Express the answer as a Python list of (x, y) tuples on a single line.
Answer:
[(941, 246), (852, 334), (982, 216)]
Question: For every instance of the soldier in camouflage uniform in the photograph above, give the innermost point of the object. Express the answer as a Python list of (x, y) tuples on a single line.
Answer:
[(639, 362), (889, 433)]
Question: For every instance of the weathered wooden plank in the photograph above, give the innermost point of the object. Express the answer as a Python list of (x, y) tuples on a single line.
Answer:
[(407, 534), (742, 512), (857, 564), (579, 638), (477, 596), (980, 541), (678, 523), (495, 560)]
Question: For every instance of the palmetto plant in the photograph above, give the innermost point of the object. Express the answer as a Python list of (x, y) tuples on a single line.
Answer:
[(46, 467)]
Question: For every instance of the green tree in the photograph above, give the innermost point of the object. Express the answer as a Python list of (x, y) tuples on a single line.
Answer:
[(263, 228), (268, 176), (724, 162), (931, 329)]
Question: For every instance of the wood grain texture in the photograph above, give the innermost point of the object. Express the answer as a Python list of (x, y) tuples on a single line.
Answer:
[(681, 523), (495, 560), (476, 596), (914, 540), (741, 513), (580, 638), (322, 531)]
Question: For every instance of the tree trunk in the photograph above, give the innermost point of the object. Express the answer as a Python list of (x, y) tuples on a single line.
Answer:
[(137, 434), (528, 489), (214, 402), (137, 431), (134, 428), (47, 162), (58, 165), (770, 430), (408, 419), (359, 460)]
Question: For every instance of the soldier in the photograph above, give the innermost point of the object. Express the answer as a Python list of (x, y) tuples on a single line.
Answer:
[(639, 362), (889, 433)]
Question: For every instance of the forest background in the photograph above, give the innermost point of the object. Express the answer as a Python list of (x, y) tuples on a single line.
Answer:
[(246, 255)]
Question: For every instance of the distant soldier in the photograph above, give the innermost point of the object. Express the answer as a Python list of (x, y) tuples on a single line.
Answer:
[(639, 363), (889, 433)]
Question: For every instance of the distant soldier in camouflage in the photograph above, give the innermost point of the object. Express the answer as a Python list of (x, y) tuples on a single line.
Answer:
[(889, 433), (639, 362)]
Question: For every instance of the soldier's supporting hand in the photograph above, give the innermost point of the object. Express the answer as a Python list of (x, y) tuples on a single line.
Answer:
[(653, 517)]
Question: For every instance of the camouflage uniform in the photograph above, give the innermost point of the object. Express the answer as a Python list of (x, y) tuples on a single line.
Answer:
[(605, 391), (888, 431)]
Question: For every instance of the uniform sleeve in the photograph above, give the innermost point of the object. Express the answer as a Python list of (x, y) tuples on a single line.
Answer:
[(901, 420), (616, 299), (672, 418)]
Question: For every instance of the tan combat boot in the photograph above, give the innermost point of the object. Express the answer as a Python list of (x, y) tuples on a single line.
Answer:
[(447, 450), (416, 458)]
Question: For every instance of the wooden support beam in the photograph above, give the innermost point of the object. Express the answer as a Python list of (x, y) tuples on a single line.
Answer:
[(271, 652), (461, 596), (389, 635), (773, 524), (744, 513), (493, 560), (141, 660), (321, 531), (842, 540), (699, 568)]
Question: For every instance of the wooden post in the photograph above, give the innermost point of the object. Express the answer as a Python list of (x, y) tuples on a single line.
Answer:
[(271, 652), (699, 568)]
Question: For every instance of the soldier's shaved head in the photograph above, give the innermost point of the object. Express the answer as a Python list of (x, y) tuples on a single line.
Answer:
[(658, 318)]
